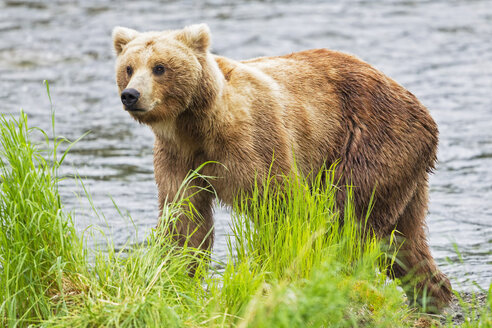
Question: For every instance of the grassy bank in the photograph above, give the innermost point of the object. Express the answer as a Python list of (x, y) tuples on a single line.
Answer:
[(290, 263)]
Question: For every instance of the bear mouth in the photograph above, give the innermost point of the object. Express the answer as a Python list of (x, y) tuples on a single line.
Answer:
[(135, 110)]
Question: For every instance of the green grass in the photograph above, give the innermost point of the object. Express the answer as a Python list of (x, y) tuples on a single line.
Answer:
[(39, 247), (290, 263)]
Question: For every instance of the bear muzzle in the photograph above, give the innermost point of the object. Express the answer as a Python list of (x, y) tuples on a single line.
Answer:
[(129, 98)]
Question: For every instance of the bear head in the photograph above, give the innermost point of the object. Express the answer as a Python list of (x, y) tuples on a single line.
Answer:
[(162, 74)]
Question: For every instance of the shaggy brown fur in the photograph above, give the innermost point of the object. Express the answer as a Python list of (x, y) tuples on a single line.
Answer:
[(320, 105)]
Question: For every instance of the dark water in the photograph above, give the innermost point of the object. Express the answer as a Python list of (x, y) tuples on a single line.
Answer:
[(440, 50)]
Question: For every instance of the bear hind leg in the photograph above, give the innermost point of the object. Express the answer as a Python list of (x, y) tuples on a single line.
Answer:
[(414, 265)]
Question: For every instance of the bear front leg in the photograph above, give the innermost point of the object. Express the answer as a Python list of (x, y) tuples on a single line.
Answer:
[(194, 227), (194, 224)]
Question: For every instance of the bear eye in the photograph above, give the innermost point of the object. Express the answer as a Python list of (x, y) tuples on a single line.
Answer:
[(129, 70), (158, 69)]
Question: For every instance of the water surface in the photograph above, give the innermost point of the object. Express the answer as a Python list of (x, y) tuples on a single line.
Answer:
[(440, 50)]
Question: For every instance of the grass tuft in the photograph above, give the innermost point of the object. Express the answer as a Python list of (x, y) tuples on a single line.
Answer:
[(40, 251)]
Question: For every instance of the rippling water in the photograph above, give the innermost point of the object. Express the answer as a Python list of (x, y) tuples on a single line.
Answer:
[(440, 50)]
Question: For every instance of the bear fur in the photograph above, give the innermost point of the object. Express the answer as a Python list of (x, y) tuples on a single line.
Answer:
[(321, 106)]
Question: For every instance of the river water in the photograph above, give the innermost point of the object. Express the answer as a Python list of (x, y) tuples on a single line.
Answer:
[(440, 50)]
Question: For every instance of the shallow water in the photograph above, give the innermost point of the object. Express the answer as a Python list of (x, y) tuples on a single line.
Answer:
[(440, 50)]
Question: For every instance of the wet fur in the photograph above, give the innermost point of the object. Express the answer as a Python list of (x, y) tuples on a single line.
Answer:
[(321, 105)]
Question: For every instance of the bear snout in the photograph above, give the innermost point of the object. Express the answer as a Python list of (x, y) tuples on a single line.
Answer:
[(129, 98)]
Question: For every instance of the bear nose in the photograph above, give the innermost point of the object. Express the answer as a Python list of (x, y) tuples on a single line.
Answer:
[(129, 97)]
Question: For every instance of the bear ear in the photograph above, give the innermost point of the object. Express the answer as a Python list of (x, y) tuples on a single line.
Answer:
[(121, 36), (195, 36)]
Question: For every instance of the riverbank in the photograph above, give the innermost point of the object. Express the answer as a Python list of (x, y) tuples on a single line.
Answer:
[(283, 271), (466, 309)]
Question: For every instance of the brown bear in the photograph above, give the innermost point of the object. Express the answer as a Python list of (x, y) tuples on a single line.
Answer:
[(319, 106)]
